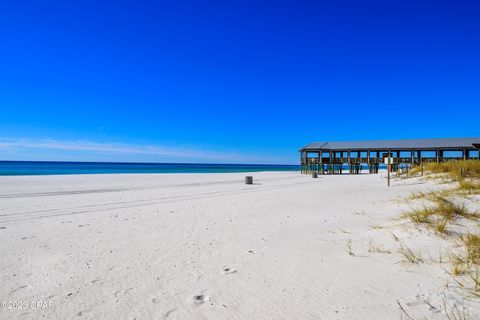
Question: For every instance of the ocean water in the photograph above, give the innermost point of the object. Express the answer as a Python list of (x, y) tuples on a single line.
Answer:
[(20, 168)]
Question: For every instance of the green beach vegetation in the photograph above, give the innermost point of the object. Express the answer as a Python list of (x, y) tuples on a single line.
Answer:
[(450, 213)]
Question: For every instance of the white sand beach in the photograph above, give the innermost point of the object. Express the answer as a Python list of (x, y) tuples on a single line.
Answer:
[(207, 246)]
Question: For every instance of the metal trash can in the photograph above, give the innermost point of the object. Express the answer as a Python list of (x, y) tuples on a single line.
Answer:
[(315, 175), (248, 180)]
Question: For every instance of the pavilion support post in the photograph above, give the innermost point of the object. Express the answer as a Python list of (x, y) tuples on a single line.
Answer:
[(305, 163), (397, 166), (318, 161), (349, 162), (464, 153), (388, 168), (320, 155), (302, 162), (412, 159), (305, 166), (329, 165), (437, 156)]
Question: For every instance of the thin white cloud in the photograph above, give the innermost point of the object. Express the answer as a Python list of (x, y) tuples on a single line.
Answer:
[(160, 153)]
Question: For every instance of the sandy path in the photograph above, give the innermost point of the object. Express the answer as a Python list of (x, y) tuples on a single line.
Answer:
[(205, 246)]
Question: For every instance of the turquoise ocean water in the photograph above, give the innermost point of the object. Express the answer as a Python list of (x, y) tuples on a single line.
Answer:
[(16, 168)]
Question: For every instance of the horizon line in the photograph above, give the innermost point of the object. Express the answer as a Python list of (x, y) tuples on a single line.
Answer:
[(135, 162)]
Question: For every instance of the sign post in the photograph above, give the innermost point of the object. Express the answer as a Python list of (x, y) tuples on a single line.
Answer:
[(388, 161)]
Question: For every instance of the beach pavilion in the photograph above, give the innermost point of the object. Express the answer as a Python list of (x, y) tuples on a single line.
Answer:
[(331, 157)]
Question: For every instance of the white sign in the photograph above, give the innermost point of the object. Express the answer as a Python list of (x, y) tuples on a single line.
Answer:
[(387, 160)]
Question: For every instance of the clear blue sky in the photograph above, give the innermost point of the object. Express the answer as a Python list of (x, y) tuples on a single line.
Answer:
[(231, 81)]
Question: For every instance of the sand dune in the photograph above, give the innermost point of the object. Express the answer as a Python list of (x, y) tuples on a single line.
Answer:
[(207, 246)]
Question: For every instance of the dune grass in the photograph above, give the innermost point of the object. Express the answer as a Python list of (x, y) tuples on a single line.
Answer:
[(468, 186), (409, 255), (455, 313), (420, 215), (441, 226), (466, 175), (467, 263), (458, 265), (464, 188), (453, 169), (472, 246), (439, 212), (375, 248), (445, 208)]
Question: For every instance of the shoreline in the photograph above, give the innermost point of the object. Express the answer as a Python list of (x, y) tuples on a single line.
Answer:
[(148, 174), (67, 168)]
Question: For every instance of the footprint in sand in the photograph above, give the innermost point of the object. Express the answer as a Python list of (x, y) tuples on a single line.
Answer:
[(227, 270), (423, 301), (124, 292), (157, 300), (200, 299), (168, 313), (83, 312), (97, 280), (19, 288)]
